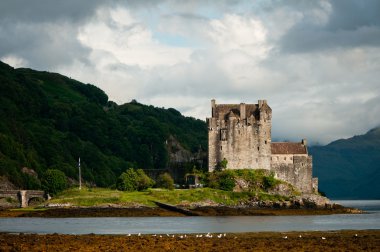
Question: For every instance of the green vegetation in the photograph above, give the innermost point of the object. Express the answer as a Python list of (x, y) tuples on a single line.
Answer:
[(54, 181), (132, 180), (101, 196), (255, 180), (165, 181), (48, 120)]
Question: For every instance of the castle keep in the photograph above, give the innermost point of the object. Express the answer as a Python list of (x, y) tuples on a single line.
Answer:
[(241, 134)]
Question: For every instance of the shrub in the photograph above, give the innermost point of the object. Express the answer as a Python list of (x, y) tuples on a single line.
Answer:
[(54, 181), (143, 180), (127, 181), (270, 182), (226, 181), (132, 180), (165, 181), (223, 180), (222, 165)]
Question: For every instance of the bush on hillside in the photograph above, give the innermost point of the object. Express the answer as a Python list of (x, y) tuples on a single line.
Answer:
[(132, 180), (54, 181), (254, 180), (165, 181), (143, 180)]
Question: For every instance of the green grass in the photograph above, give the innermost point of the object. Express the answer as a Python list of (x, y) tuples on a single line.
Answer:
[(102, 196)]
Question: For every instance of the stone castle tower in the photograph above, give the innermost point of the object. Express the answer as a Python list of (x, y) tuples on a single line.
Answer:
[(241, 134)]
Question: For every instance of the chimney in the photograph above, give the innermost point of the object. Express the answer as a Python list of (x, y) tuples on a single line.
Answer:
[(304, 142), (242, 111)]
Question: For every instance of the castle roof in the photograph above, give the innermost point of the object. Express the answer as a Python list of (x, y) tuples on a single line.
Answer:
[(288, 148)]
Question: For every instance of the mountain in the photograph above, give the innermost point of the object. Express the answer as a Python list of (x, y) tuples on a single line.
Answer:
[(349, 168), (48, 120)]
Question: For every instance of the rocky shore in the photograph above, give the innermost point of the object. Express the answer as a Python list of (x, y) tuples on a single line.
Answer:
[(346, 240)]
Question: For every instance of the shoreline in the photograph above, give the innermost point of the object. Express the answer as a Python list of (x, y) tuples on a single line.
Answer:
[(344, 240), (113, 211)]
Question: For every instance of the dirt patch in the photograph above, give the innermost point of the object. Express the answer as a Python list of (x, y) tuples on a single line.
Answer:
[(157, 211), (273, 241)]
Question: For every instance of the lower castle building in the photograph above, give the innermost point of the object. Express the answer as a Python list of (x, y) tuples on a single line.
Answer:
[(241, 134)]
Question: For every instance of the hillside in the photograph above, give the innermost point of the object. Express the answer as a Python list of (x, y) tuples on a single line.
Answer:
[(48, 120), (349, 168)]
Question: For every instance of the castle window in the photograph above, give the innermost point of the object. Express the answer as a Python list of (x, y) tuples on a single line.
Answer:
[(220, 147), (258, 148), (284, 158), (265, 141)]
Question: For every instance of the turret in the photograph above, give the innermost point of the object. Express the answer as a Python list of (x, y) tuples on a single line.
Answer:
[(242, 111), (213, 106)]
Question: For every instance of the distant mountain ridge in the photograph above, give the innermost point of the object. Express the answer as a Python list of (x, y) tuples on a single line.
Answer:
[(48, 120), (349, 168)]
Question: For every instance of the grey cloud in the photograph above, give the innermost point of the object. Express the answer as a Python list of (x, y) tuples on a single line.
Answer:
[(46, 10), (351, 24)]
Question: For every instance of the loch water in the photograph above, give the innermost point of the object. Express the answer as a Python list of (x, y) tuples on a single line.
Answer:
[(198, 224)]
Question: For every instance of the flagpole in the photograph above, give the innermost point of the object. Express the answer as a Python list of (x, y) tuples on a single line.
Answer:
[(80, 178)]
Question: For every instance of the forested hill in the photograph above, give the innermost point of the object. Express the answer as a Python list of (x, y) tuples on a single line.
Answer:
[(48, 120), (349, 168)]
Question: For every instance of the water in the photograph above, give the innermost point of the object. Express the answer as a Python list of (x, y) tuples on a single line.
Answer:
[(173, 225)]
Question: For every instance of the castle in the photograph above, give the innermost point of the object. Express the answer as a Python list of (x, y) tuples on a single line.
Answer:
[(241, 134)]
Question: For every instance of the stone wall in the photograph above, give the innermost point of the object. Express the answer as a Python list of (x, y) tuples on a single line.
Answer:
[(298, 173)]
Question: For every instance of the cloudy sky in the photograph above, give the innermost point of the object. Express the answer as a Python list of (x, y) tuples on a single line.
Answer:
[(316, 62)]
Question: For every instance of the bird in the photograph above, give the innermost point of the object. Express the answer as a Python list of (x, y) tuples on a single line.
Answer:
[(224, 234), (160, 236), (285, 237), (154, 235), (300, 236), (356, 235), (181, 237), (129, 235), (220, 235), (323, 238), (139, 234)]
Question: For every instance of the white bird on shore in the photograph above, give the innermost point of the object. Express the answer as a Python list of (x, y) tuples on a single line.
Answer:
[(323, 238), (300, 236), (224, 234), (181, 237), (220, 236), (129, 235), (356, 235), (285, 237), (139, 234), (200, 235), (154, 235)]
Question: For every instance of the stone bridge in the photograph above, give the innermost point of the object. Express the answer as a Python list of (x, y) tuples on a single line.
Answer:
[(23, 196)]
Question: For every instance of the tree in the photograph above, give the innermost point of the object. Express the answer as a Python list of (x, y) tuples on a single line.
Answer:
[(165, 181), (54, 181), (143, 180), (222, 165), (127, 181), (132, 180)]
